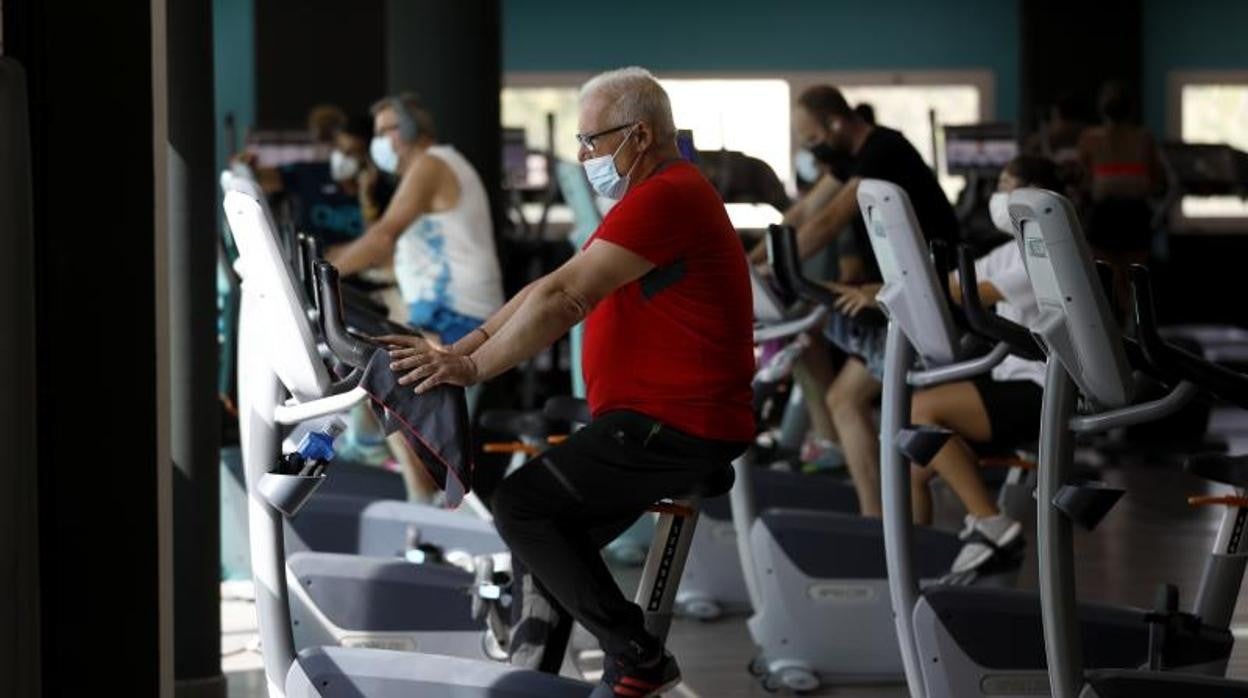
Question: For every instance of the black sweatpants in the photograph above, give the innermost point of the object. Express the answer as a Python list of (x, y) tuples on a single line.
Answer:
[(557, 511)]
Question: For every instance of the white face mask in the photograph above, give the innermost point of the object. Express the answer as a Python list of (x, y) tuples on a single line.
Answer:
[(999, 210), (383, 154), (604, 178), (807, 166), (342, 166)]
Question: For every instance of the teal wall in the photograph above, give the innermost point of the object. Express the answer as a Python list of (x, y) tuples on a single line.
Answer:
[(1189, 35), (798, 35), (234, 58)]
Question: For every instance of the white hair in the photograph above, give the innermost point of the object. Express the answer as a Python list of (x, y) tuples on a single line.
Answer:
[(631, 95)]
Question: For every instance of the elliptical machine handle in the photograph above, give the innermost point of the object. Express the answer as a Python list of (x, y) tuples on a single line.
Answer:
[(349, 348), (785, 261), (1172, 361), (1018, 338), (787, 264), (309, 255)]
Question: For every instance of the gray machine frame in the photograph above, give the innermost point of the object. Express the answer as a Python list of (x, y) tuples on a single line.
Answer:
[(283, 382), (945, 668), (920, 324), (1087, 355), (794, 608)]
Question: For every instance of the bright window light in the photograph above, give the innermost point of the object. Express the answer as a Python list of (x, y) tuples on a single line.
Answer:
[(527, 107), (1215, 114), (906, 108), (750, 116)]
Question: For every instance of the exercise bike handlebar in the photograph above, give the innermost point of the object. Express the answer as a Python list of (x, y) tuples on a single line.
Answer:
[(786, 262), (349, 348), (1173, 362), (986, 323), (309, 255)]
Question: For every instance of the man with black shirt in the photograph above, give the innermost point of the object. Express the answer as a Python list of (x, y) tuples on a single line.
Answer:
[(844, 143)]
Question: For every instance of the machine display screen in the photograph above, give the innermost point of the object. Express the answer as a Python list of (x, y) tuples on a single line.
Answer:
[(684, 143), (984, 149)]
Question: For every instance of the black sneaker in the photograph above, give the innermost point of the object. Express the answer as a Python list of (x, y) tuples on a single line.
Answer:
[(621, 679)]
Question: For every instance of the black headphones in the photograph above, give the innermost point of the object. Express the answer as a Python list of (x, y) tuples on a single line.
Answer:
[(409, 127)]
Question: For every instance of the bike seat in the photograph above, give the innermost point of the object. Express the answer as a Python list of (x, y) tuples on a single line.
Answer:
[(565, 408), (718, 482), (1230, 470), (517, 423)]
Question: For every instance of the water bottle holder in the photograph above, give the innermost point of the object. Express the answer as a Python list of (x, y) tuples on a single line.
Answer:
[(288, 493)]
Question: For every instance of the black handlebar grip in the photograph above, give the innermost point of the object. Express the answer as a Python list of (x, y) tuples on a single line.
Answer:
[(346, 346)]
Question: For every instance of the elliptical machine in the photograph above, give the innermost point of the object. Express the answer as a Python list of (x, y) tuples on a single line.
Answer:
[(965, 641), (809, 572), (283, 382), (1087, 357)]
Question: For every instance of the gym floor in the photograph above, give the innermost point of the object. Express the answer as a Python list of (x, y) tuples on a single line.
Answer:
[(1151, 537)]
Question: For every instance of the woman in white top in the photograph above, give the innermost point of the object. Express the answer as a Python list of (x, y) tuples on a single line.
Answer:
[(1002, 410), (437, 230)]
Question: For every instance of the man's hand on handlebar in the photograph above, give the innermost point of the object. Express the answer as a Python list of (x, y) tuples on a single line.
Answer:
[(852, 300), (430, 366)]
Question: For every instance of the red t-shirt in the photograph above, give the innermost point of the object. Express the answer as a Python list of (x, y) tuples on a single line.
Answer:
[(677, 344)]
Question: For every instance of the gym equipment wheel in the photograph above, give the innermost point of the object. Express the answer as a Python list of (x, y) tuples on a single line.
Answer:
[(701, 609)]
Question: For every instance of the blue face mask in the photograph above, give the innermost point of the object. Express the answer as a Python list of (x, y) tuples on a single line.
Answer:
[(604, 178), (383, 154), (807, 166)]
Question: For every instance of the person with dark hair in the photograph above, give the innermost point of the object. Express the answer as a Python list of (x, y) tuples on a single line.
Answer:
[(1058, 137), (866, 111), (850, 149), (1122, 171), (352, 169), (437, 230), (331, 197), (1002, 409)]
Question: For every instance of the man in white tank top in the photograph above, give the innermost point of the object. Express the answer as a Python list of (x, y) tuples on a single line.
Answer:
[(436, 231)]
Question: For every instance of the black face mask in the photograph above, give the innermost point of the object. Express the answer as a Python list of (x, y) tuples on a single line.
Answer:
[(837, 161)]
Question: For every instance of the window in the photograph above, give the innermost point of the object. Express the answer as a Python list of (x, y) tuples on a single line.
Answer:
[(528, 107), (1214, 112), (751, 113), (751, 116), (908, 108)]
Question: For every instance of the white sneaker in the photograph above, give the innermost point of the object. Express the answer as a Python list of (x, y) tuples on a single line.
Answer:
[(984, 538)]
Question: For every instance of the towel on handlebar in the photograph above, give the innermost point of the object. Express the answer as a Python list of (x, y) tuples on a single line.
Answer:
[(435, 424)]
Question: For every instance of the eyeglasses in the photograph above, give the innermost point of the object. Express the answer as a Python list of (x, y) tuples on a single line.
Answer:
[(587, 139)]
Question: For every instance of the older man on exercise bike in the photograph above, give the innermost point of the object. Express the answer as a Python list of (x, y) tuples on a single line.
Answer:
[(664, 291)]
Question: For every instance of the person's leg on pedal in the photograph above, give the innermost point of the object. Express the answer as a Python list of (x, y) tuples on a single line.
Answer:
[(960, 408), (557, 511)]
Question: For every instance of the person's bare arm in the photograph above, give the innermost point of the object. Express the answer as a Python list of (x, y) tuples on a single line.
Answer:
[(407, 351), (813, 214), (552, 305), (557, 302), (988, 294), (829, 221), (414, 198)]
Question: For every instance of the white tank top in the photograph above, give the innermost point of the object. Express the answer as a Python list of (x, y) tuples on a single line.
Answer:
[(447, 258)]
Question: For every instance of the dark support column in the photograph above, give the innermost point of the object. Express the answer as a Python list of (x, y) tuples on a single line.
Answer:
[(311, 52), (195, 417), (451, 54), (1071, 47), (89, 70), (19, 552)]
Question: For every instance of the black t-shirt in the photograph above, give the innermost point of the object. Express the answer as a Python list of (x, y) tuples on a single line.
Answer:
[(322, 208), (887, 155)]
